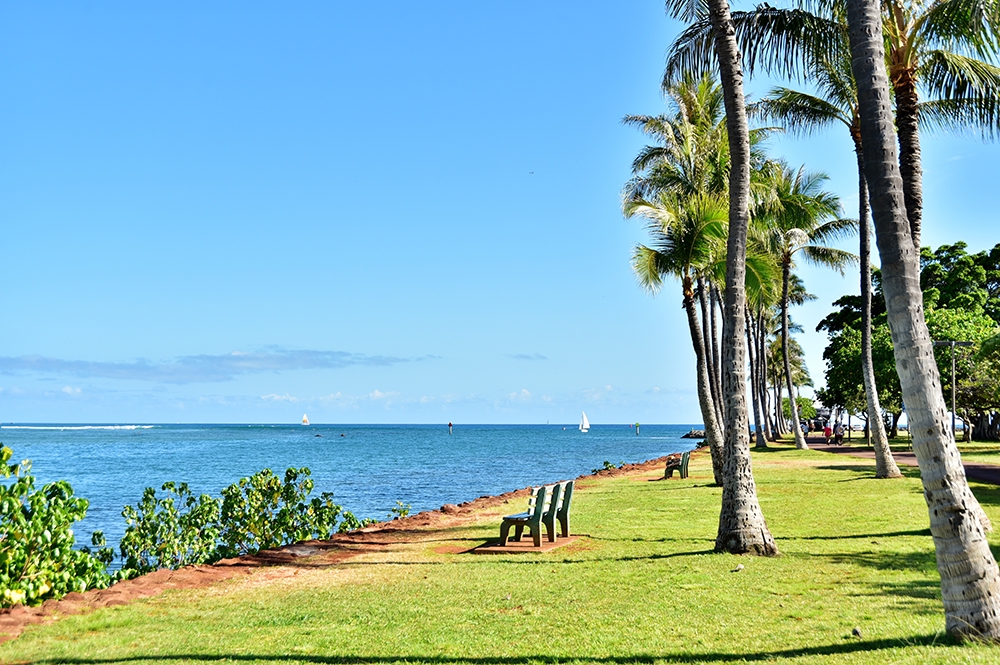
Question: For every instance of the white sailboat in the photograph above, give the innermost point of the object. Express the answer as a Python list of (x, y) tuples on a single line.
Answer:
[(584, 423), (305, 419)]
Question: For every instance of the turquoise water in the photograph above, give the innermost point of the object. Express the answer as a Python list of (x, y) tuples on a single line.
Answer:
[(367, 467)]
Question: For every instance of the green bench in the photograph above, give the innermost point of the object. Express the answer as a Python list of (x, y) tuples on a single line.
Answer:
[(546, 506), (678, 463)]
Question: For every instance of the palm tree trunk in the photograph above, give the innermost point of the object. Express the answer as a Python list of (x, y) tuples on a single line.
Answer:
[(909, 153), (742, 528), (713, 302), (779, 412), (760, 442), (713, 435), (793, 406), (885, 465), (707, 342), (762, 361), (970, 579)]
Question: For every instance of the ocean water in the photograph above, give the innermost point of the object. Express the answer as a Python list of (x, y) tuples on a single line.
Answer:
[(367, 467)]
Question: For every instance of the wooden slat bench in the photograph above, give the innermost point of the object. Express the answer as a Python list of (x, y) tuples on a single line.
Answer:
[(679, 463), (546, 506)]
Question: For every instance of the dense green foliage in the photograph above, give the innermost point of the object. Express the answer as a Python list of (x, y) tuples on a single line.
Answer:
[(261, 512), (962, 303), (258, 512), (162, 534), (642, 587), (37, 559)]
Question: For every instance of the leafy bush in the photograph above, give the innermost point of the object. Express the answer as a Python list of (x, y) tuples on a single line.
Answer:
[(261, 512), (162, 535), (37, 559), (399, 510)]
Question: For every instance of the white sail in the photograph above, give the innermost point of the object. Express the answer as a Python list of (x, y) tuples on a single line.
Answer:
[(305, 419), (584, 423)]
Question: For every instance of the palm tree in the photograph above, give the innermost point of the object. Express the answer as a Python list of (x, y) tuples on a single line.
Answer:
[(798, 222), (970, 578), (742, 528), (688, 162), (804, 113), (941, 46), (687, 233)]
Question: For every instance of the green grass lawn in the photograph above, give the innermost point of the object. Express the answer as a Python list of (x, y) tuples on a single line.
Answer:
[(643, 586), (983, 452)]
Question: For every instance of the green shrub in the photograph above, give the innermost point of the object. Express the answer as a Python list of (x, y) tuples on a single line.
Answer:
[(160, 534), (261, 512), (37, 559)]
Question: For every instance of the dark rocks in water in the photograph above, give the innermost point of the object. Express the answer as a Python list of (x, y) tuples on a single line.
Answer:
[(450, 509), (318, 435), (694, 434)]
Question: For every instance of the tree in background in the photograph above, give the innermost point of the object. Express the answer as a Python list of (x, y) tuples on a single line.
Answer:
[(802, 220)]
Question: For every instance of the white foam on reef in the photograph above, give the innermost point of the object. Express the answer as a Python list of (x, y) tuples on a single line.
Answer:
[(76, 427)]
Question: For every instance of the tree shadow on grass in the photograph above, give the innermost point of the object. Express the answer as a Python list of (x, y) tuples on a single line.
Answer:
[(919, 561), (867, 472), (888, 534), (843, 647), (986, 494)]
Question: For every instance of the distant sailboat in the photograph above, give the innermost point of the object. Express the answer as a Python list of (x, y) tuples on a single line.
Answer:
[(584, 423), (305, 419)]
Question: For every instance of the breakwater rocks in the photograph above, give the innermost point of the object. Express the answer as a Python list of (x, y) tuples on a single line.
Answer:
[(694, 434)]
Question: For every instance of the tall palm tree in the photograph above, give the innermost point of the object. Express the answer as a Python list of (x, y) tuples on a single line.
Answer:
[(688, 161), (944, 47), (970, 578), (687, 234), (802, 221), (742, 528), (837, 103)]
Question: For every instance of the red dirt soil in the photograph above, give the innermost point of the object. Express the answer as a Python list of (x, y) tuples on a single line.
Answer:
[(310, 553)]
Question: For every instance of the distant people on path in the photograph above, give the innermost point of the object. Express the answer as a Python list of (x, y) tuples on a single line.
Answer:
[(827, 433), (839, 434)]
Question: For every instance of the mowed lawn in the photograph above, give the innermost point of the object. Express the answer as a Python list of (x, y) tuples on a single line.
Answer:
[(643, 586)]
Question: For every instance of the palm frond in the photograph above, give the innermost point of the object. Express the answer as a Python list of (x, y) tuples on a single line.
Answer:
[(966, 24), (798, 112), (781, 41), (830, 257)]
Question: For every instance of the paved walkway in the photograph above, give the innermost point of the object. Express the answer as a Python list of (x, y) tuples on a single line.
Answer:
[(984, 473)]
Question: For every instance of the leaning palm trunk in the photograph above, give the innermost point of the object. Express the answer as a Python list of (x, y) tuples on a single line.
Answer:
[(970, 579), (713, 435), (793, 406), (885, 465), (742, 528)]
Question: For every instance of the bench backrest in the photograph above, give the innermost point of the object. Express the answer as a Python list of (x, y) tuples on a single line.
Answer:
[(565, 499), (538, 501)]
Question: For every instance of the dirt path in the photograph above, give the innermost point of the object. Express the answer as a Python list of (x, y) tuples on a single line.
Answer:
[(984, 473), (283, 561)]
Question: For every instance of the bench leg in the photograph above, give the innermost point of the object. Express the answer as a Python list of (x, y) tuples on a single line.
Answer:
[(504, 531), (518, 532), (564, 524), (536, 536), (550, 530)]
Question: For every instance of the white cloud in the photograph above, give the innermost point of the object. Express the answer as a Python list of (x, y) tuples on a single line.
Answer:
[(378, 394), (523, 396), (280, 398), (70, 390)]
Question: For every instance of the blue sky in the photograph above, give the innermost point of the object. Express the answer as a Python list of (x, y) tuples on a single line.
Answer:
[(367, 212)]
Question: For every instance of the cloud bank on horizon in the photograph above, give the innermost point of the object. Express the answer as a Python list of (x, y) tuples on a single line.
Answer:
[(203, 368)]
